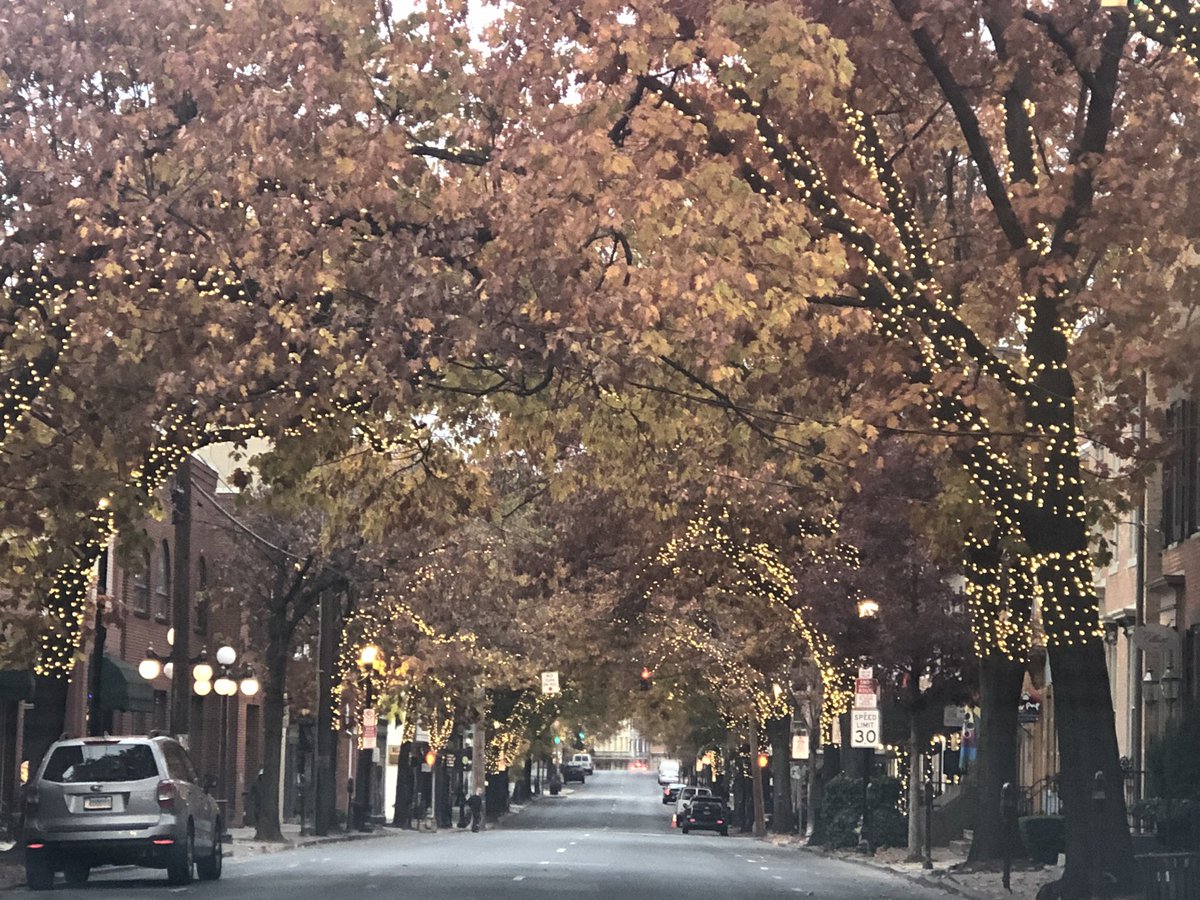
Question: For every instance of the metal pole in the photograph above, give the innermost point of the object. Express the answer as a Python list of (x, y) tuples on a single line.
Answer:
[(1139, 619), (479, 756), (864, 845), (95, 719), (181, 603)]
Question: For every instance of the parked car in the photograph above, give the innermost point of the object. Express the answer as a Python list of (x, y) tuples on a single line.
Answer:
[(671, 792), (123, 800), (668, 772), (584, 761), (685, 798), (705, 814), (573, 772)]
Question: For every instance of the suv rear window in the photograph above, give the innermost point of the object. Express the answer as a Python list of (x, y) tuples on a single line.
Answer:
[(101, 762)]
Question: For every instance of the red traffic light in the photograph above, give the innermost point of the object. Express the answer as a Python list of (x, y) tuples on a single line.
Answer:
[(430, 758)]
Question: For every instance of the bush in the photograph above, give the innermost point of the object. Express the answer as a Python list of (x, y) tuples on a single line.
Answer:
[(1044, 837), (1176, 822), (841, 813)]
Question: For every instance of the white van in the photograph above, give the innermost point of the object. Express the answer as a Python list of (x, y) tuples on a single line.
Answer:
[(584, 761), (668, 771)]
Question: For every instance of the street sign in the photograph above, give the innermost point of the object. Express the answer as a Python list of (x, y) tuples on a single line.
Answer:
[(866, 672), (370, 720), (421, 735), (864, 728), (866, 693), (550, 683), (1030, 709), (800, 746)]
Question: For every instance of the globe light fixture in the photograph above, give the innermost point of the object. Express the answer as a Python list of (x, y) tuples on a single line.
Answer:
[(202, 671), (170, 637), (868, 608), (149, 668), (368, 655), (249, 686), (226, 656), (169, 670), (225, 686), (202, 688)]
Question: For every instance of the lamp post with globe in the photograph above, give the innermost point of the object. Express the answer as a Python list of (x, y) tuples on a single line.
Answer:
[(226, 685), (155, 664)]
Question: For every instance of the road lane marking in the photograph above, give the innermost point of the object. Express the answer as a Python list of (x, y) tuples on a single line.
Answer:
[(518, 878), (561, 850)]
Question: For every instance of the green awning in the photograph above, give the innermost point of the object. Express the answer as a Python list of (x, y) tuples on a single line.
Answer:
[(16, 684), (121, 687)]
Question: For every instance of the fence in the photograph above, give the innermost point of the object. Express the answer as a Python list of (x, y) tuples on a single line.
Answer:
[(1170, 876)]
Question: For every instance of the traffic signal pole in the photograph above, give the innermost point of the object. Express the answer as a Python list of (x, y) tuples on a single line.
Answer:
[(756, 785)]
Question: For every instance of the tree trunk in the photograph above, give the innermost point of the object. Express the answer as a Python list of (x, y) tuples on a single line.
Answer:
[(329, 630), (402, 814), (496, 799), (268, 827), (1000, 682), (916, 818), (756, 785), (783, 815)]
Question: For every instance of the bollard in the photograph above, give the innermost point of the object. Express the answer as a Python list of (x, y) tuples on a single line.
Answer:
[(1008, 825)]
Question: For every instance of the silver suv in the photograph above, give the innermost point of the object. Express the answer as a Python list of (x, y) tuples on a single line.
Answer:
[(124, 800)]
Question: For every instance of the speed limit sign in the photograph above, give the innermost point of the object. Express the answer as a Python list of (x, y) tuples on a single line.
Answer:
[(864, 728)]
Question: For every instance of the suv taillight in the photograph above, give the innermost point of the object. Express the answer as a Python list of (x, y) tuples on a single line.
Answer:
[(166, 794)]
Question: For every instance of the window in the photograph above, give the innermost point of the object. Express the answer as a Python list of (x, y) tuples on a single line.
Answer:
[(141, 586), (1180, 497), (110, 761), (163, 584), (200, 598)]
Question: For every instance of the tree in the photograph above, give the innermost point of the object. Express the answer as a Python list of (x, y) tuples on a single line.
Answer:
[(702, 94)]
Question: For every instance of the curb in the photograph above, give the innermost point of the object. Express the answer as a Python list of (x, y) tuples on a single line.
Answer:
[(269, 847), (948, 887)]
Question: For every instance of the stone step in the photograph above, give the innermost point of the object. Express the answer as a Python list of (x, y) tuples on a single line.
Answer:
[(960, 847)]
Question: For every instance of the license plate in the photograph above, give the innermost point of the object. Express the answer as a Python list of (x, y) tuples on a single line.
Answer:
[(97, 802)]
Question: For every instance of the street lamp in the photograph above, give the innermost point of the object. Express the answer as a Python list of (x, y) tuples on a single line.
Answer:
[(225, 685), (155, 664)]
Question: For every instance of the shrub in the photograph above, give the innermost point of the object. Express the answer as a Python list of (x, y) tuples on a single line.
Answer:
[(841, 813), (1044, 837)]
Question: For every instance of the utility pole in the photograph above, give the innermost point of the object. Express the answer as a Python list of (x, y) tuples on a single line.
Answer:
[(1139, 619), (181, 618)]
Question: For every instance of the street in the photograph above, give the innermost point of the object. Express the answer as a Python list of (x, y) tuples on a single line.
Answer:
[(610, 837)]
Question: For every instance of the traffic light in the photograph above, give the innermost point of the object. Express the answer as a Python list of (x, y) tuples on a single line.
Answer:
[(579, 737), (557, 739), (430, 758), (763, 760), (647, 674)]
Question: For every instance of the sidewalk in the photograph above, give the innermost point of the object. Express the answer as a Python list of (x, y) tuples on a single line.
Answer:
[(245, 845), (949, 872)]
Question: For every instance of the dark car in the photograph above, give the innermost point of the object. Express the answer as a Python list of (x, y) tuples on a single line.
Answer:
[(573, 772), (705, 814), (671, 792)]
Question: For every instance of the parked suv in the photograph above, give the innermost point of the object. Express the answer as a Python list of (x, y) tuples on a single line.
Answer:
[(124, 800), (705, 813)]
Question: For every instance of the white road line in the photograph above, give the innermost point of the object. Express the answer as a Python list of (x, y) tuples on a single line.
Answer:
[(518, 878), (561, 850), (544, 862)]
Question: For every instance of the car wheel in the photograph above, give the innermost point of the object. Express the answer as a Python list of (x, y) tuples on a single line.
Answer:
[(209, 868), (182, 862), (76, 873), (39, 873)]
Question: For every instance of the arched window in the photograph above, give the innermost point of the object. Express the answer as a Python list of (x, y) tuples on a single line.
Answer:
[(141, 586), (200, 597), (163, 583)]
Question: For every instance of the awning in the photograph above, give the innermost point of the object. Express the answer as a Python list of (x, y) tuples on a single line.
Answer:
[(16, 684), (121, 687)]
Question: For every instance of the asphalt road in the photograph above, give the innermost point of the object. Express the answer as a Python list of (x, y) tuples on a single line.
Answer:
[(610, 838)]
